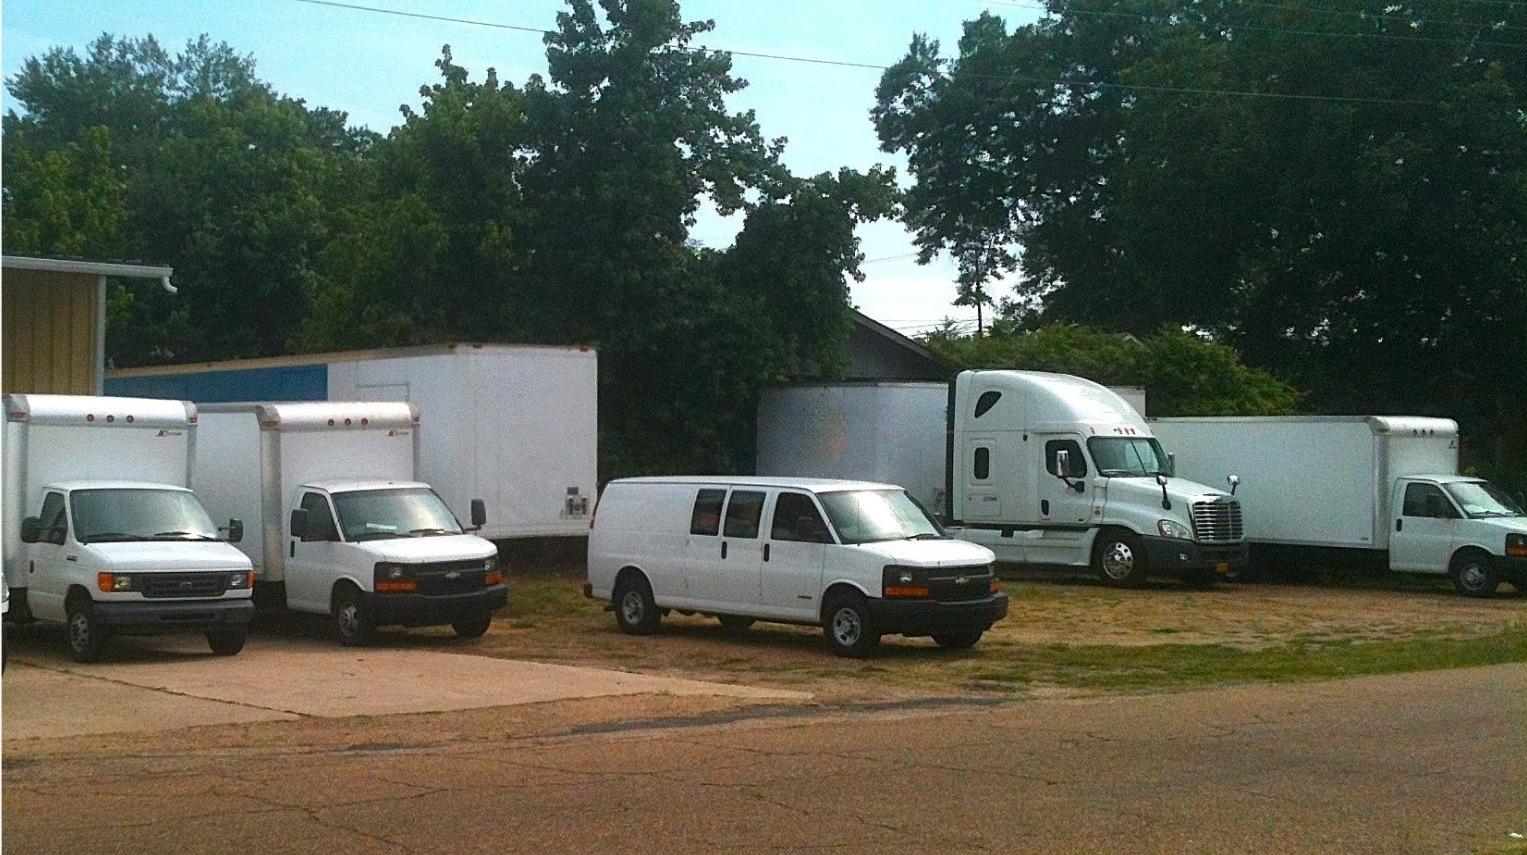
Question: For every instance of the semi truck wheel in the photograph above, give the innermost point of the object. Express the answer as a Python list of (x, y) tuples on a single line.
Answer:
[(1119, 559), (87, 638), (350, 623), (473, 627), (227, 642), (848, 627), (1474, 574)]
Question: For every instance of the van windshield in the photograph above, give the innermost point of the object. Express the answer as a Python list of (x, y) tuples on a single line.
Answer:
[(1481, 499), (866, 516), (106, 515), (1128, 457), (409, 512)]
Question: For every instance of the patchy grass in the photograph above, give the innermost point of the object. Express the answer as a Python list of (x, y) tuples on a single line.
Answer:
[(1074, 637)]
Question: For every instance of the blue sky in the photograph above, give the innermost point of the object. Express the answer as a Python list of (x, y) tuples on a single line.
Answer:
[(368, 64)]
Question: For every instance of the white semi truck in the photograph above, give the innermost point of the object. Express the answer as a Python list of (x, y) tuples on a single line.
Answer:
[(343, 527), (1043, 469), (1359, 490), (102, 533)]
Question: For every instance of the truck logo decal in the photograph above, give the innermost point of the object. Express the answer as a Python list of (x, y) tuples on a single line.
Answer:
[(170, 433), (454, 574), (397, 432), (962, 580)]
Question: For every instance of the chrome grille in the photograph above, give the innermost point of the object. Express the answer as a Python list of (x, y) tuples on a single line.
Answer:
[(1218, 522), (163, 586)]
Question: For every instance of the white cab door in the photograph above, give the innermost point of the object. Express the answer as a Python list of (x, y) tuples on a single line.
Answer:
[(312, 561), (50, 560), (1425, 529)]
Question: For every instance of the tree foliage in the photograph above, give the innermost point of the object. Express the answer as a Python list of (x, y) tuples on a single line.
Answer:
[(1183, 374), (1359, 224)]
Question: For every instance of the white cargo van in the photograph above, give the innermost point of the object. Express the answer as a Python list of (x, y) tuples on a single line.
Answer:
[(344, 528), (101, 532), (1343, 489), (859, 559)]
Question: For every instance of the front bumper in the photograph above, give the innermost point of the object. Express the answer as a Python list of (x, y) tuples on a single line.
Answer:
[(929, 617), (1514, 570), (432, 609), (1174, 555), (153, 618)]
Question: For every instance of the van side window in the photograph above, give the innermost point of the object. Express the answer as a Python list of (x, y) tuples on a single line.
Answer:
[(1073, 449), (320, 518), (796, 518), (706, 517), (743, 513), (986, 402), (55, 524), (1426, 500), (982, 463)]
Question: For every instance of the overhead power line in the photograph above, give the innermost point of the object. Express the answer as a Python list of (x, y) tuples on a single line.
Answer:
[(1012, 78)]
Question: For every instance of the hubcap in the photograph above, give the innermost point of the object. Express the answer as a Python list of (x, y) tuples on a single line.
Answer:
[(631, 607), (79, 631), (1473, 576), (1118, 560), (846, 627), (350, 621)]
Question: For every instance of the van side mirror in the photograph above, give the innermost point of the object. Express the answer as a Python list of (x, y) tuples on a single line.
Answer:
[(479, 514), (235, 530), (299, 523), (31, 530)]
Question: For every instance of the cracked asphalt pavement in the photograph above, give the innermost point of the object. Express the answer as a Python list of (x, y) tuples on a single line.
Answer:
[(1432, 762)]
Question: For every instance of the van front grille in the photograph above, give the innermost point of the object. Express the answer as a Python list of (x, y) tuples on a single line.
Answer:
[(451, 577), (164, 586), (953, 584), (1218, 522)]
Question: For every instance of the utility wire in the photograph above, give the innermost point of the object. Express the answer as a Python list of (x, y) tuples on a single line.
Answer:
[(1012, 78), (1068, 10)]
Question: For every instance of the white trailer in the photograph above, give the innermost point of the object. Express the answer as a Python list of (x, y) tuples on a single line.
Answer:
[(102, 533), (514, 425), (889, 432), (345, 527), (1355, 487)]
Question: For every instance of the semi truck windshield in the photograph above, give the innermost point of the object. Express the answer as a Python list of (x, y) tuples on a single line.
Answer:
[(1127, 457), (411, 512), (105, 515), (865, 516)]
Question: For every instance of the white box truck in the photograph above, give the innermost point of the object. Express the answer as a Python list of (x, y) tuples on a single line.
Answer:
[(515, 425), (102, 532), (1044, 469), (1354, 488), (343, 526)]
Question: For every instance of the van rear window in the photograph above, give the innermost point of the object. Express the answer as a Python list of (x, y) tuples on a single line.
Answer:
[(706, 518)]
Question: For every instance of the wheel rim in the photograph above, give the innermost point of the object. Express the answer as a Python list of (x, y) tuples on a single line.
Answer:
[(79, 631), (1473, 576), (632, 607), (1118, 560), (846, 627), (349, 620)]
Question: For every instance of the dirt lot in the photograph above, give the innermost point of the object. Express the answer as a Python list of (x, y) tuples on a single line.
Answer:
[(1062, 637)]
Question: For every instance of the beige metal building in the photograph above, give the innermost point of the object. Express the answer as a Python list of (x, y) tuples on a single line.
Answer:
[(53, 322)]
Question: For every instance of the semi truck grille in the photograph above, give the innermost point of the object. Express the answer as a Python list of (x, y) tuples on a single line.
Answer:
[(450, 577), (163, 586), (945, 585), (1218, 522)]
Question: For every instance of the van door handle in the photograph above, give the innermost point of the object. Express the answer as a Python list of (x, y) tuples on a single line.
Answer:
[(723, 549), (766, 552), (1044, 506), (1399, 525)]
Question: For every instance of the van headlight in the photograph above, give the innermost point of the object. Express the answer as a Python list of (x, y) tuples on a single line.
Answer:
[(1173, 528), (1516, 545)]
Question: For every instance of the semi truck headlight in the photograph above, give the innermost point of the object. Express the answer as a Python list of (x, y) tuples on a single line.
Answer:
[(111, 582), (1173, 528), (1516, 545)]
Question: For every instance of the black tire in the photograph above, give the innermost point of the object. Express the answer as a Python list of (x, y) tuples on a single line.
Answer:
[(1119, 559), (850, 631), (735, 623), (473, 627), (635, 610), (87, 638), (962, 640), (1474, 574), (227, 642), (351, 626), (1202, 580)]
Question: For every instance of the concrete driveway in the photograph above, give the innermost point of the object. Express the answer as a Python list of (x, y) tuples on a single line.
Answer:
[(170, 682)]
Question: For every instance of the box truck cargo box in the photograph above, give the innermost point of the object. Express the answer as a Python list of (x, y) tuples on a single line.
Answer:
[(516, 426), (102, 532)]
